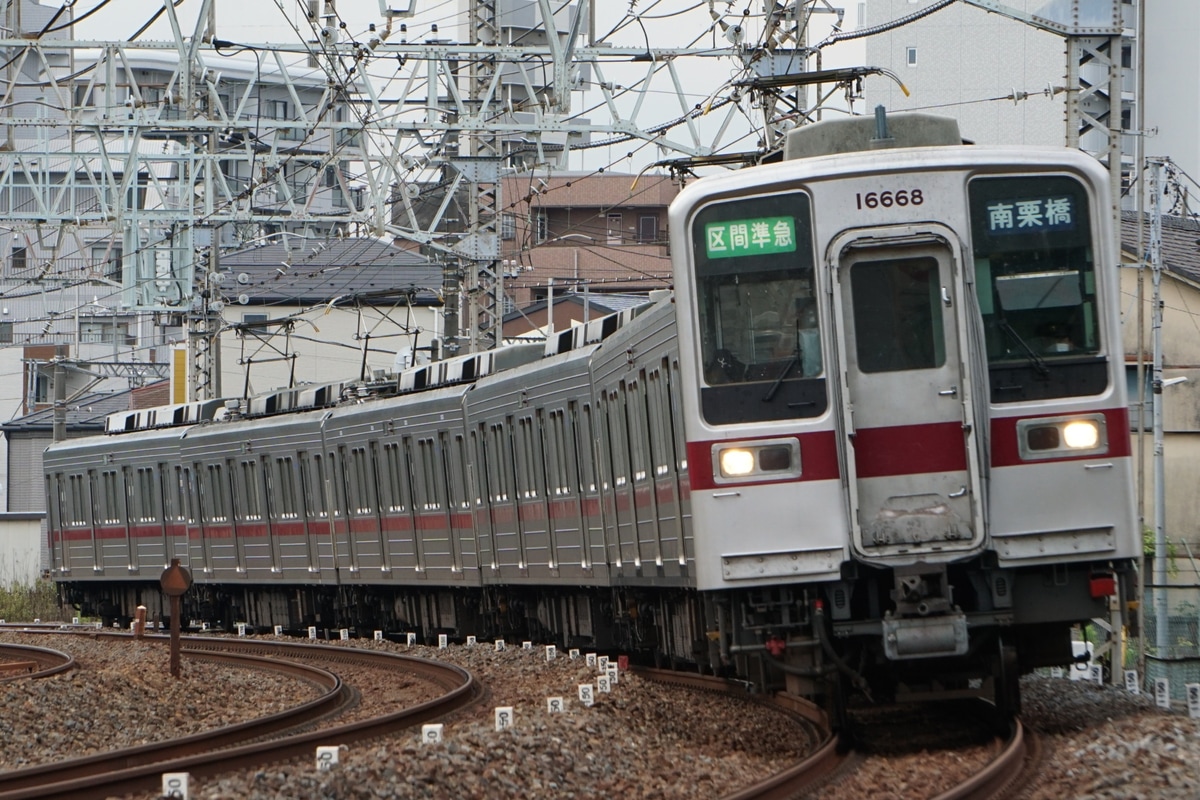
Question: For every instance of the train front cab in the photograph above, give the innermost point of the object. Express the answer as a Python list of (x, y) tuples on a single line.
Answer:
[(943, 490)]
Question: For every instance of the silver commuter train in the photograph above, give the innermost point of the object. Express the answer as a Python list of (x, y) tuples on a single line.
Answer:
[(878, 440)]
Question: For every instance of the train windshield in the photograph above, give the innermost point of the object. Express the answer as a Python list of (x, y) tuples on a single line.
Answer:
[(1036, 281), (754, 285)]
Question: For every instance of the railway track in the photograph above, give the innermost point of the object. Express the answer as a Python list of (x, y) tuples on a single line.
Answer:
[(269, 739), (26, 661)]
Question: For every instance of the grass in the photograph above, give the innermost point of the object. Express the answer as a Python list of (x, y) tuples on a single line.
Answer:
[(27, 603)]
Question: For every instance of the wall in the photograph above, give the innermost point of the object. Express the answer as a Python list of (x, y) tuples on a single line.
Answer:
[(20, 549)]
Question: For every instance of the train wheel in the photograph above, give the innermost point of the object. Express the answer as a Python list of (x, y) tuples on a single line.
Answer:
[(1007, 679)]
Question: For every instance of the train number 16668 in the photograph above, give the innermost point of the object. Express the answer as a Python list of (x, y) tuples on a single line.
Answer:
[(900, 197)]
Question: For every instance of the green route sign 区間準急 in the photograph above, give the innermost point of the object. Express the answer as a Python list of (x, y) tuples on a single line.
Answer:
[(750, 237)]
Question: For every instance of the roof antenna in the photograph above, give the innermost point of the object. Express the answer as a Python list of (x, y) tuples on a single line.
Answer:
[(883, 139)]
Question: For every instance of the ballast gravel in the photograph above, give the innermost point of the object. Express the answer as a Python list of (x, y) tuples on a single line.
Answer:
[(643, 740)]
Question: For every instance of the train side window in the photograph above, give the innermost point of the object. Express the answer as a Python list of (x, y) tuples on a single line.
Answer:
[(147, 510), (500, 464), (250, 489), (618, 437), (523, 450), (316, 501), (183, 485), (283, 492), (635, 406), (111, 512), (215, 494), (425, 480), (363, 483), (672, 408), (75, 500), (395, 480), (584, 426)]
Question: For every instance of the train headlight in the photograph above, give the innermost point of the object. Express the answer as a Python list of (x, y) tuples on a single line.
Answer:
[(736, 462), (1081, 434), (1056, 437), (773, 459)]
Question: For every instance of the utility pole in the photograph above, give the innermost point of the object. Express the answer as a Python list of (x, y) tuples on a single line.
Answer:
[(1156, 320)]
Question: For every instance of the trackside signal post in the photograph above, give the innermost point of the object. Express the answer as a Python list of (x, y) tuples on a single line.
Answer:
[(174, 581)]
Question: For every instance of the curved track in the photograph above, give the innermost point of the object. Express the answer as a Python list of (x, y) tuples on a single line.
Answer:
[(241, 746), (26, 661), (822, 760)]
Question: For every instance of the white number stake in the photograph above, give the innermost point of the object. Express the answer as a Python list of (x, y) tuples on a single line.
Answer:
[(1193, 696), (471, 641), (379, 636), (554, 705), (241, 626), (587, 694), (526, 645), (612, 674), (504, 718), (1132, 684), (573, 653), (602, 663), (412, 639), (312, 632), (1162, 693), (590, 658), (175, 785), (602, 683), (551, 652), (279, 630), (327, 756), (344, 635), (499, 645), (432, 733), (443, 641)]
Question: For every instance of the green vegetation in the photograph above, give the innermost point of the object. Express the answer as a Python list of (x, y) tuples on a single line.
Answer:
[(27, 603)]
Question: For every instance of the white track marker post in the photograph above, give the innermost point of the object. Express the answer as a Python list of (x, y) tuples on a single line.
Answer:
[(504, 718), (241, 626), (411, 639), (590, 658), (1193, 698), (1096, 674), (612, 674), (526, 645), (551, 652), (1056, 672), (499, 645), (472, 641), (279, 630), (1132, 684), (74, 620), (602, 663), (379, 636), (432, 733), (573, 653), (344, 635), (555, 705), (603, 684), (587, 694), (327, 756), (175, 785), (1162, 693), (443, 641), (312, 632)]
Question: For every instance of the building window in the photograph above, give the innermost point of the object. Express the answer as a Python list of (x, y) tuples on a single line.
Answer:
[(541, 227), (20, 258), (105, 330), (106, 260), (614, 229), (911, 56), (508, 226), (648, 229), (253, 318), (6, 333)]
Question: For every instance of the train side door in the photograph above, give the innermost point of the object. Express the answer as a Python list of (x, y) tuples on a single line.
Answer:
[(911, 449)]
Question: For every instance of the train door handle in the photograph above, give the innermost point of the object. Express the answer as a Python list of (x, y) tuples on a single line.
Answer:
[(951, 392), (946, 296), (959, 493)]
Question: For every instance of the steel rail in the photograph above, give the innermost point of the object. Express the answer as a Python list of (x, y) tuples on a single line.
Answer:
[(789, 782), (122, 777), (1001, 772), (48, 662)]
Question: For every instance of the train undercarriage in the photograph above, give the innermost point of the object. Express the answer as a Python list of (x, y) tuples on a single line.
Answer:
[(875, 636)]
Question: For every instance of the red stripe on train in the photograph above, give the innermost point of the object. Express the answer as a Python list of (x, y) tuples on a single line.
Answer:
[(1006, 450), (818, 460), (909, 449)]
